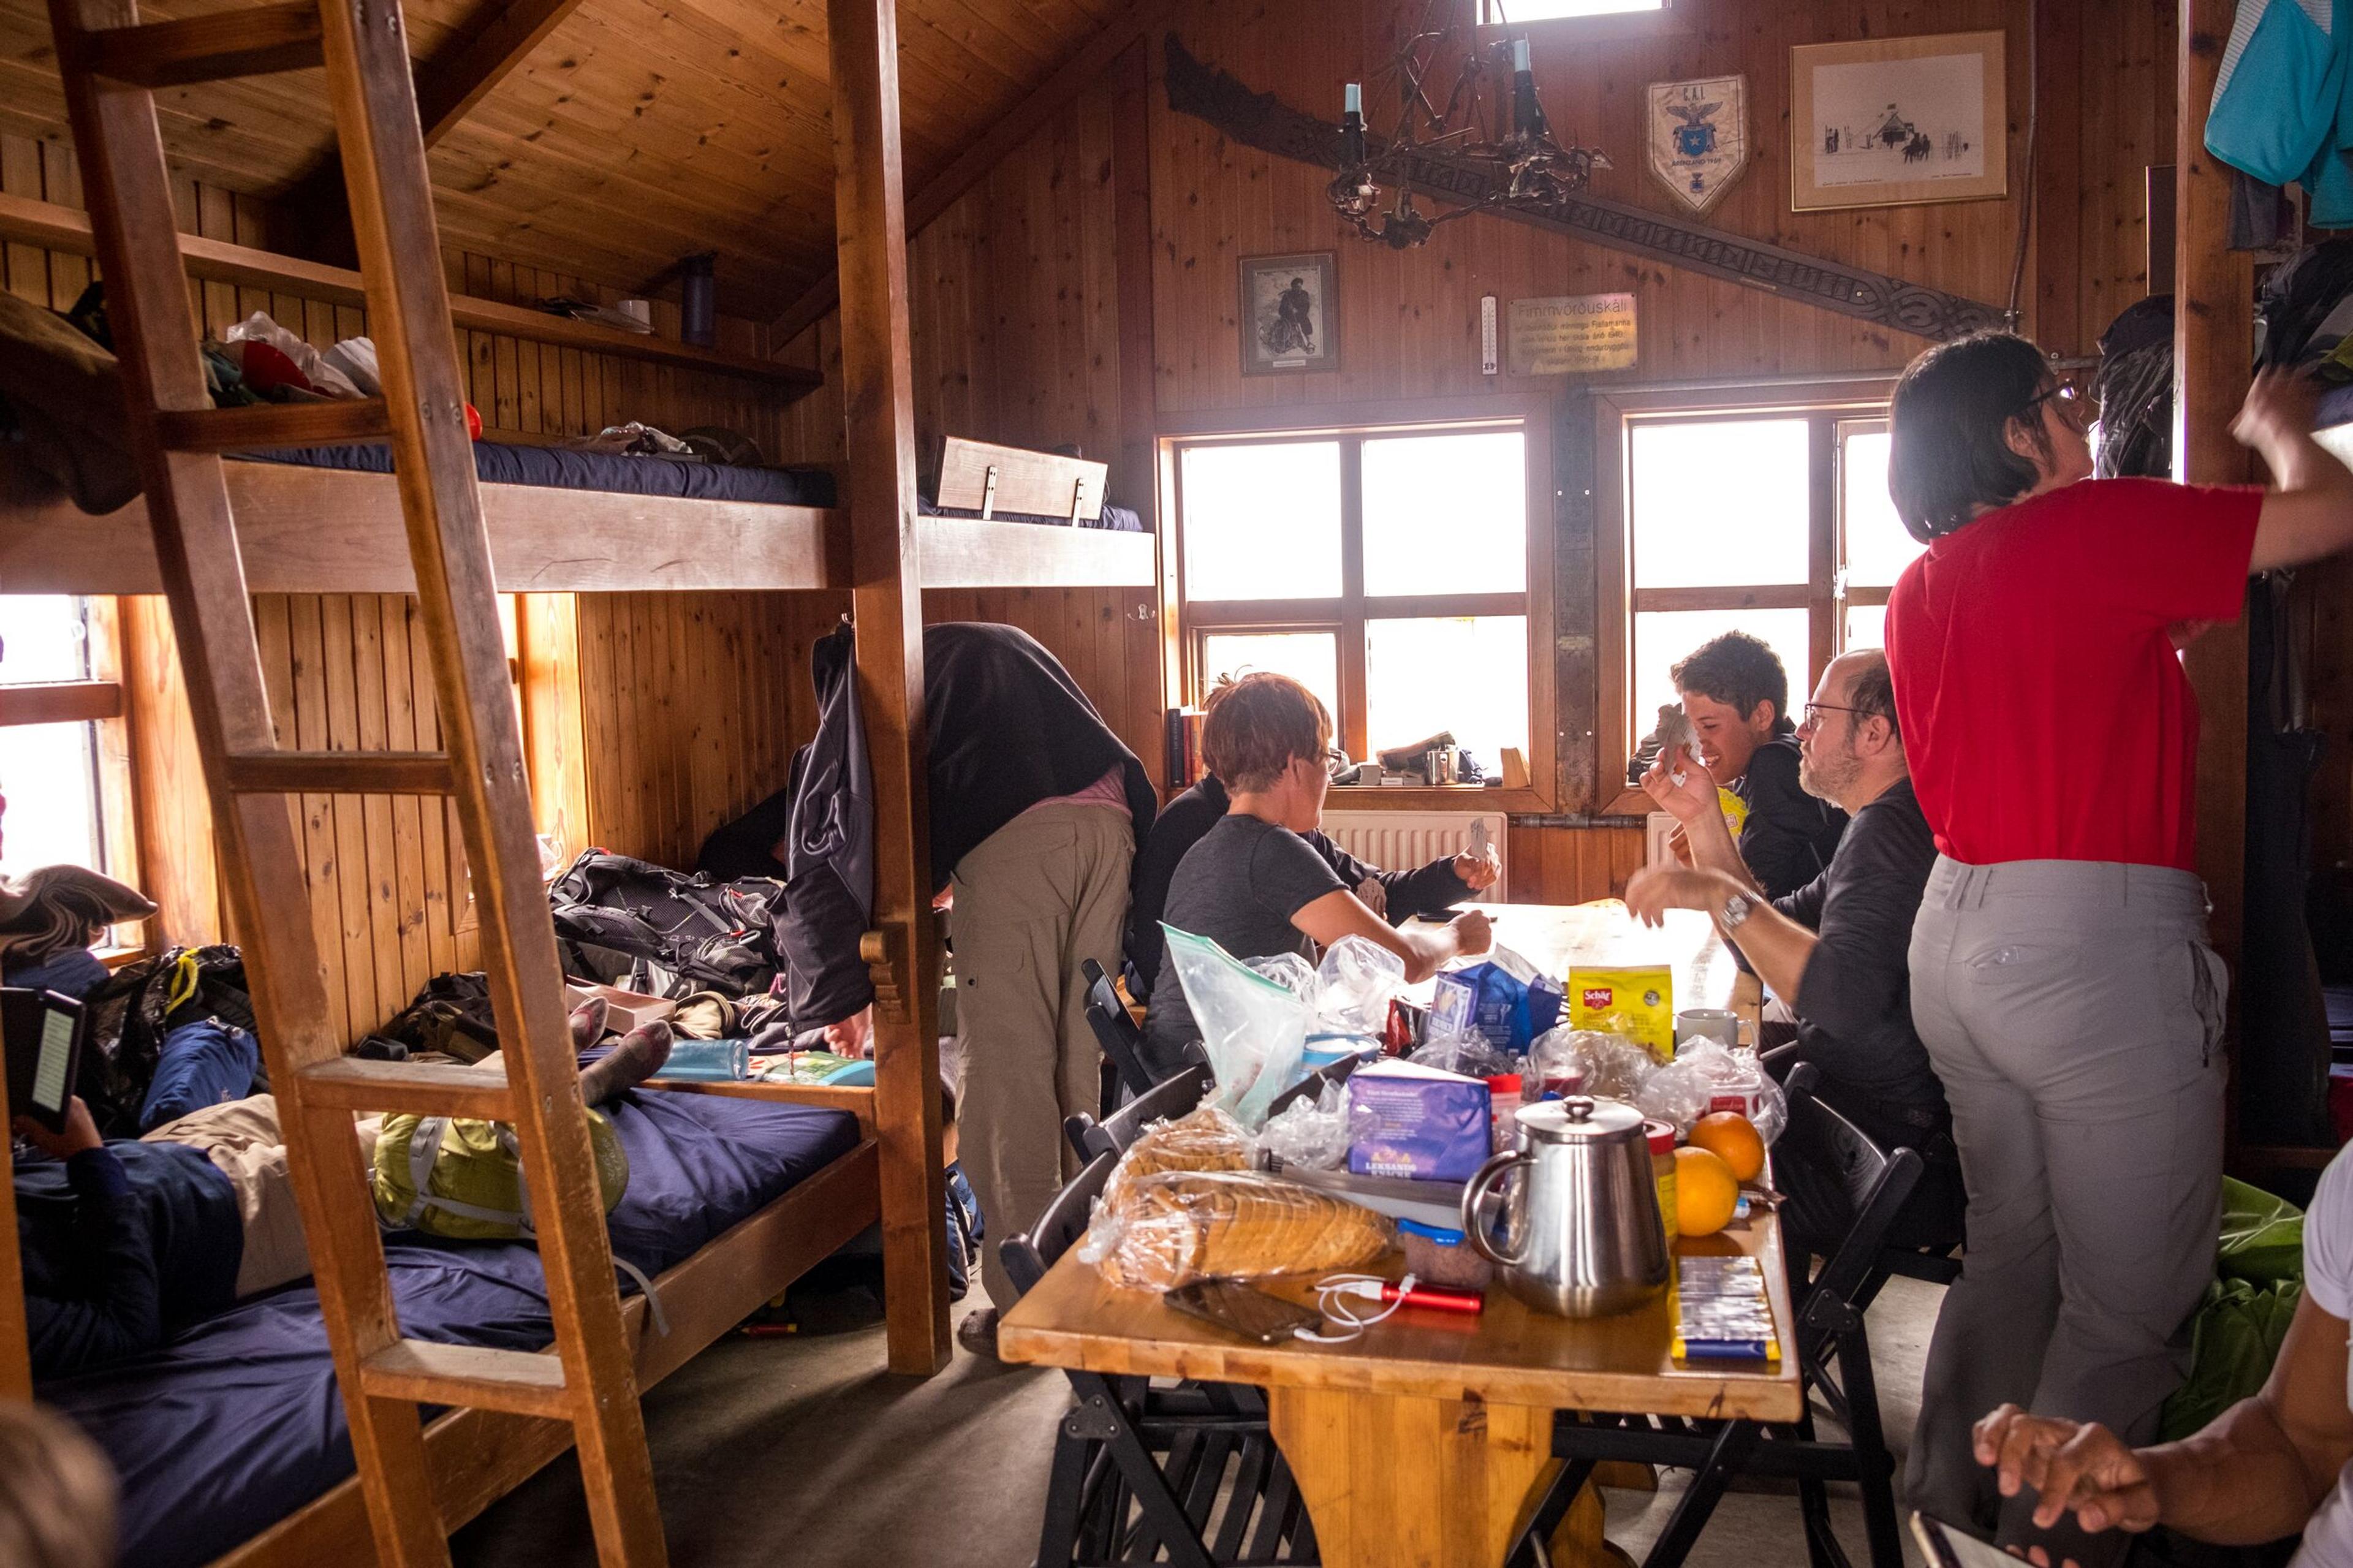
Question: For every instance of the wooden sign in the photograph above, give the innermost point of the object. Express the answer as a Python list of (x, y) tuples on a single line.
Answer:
[(1572, 334)]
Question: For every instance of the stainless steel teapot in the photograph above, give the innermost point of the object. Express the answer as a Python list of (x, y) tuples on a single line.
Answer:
[(1582, 1235)]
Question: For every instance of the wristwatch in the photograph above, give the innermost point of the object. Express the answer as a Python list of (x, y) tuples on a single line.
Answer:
[(1735, 910)]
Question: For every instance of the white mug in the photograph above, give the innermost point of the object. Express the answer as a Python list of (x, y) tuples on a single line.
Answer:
[(1719, 1024)]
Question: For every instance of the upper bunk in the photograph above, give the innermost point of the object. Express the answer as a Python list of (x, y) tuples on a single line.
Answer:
[(318, 524)]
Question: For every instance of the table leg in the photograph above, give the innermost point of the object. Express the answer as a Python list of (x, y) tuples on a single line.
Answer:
[(1426, 1483)]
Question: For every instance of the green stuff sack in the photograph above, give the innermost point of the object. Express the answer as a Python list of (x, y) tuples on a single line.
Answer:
[(463, 1179), (2242, 1320)]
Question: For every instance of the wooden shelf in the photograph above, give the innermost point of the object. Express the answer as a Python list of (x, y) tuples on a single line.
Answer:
[(55, 227), (328, 531)]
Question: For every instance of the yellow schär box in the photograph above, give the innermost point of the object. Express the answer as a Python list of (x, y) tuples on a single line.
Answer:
[(1637, 1002)]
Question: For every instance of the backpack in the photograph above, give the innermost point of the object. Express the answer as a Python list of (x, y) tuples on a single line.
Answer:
[(452, 1014), (620, 920), (132, 1011), (461, 1178)]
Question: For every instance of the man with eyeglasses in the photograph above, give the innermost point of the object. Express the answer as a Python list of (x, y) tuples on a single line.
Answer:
[(1834, 952)]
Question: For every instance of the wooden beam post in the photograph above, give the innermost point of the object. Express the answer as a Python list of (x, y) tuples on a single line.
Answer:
[(2213, 343), (886, 596)]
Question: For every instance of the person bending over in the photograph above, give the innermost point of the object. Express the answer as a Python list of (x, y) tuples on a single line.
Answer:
[(126, 1242), (1253, 884), (1834, 952), (1395, 895), (2267, 1467), (1036, 807), (2061, 978), (1736, 695)]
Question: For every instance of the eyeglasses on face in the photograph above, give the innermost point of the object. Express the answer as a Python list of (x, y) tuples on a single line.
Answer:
[(2073, 405), (1813, 712)]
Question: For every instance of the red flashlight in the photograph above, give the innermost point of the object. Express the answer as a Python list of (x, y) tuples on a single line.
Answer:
[(1419, 1295)]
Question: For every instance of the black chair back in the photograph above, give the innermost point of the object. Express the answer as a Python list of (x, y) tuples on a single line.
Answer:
[(1027, 1257), (1116, 1032), (1314, 1084), (1178, 1097)]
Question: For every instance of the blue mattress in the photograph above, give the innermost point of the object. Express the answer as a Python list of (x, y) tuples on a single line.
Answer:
[(236, 1423), (560, 468)]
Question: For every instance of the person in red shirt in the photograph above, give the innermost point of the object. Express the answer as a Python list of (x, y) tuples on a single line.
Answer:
[(2061, 975)]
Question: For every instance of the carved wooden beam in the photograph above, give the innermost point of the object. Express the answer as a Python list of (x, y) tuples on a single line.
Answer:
[(1262, 121)]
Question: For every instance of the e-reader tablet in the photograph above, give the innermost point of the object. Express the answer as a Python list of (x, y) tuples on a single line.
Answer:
[(41, 1034)]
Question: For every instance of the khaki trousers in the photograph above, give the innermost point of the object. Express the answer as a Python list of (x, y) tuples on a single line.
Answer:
[(245, 1143), (1044, 892)]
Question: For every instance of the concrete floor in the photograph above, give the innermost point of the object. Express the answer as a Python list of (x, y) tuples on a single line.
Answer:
[(802, 1451)]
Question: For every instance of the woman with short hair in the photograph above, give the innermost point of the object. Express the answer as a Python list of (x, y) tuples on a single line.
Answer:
[(1253, 884), (2061, 975)]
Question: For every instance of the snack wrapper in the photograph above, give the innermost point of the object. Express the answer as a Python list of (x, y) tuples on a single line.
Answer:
[(1167, 1230), (1421, 1122), (1505, 999), (1638, 1003)]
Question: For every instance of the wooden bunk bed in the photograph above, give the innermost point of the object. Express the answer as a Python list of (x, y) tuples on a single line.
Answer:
[(318, 529)]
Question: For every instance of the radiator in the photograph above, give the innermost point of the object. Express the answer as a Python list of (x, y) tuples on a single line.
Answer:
[(1403, 840)]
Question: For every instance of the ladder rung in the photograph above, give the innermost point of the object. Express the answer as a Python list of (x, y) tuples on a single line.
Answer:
[(255, 42), (340, 773), (426, 1089), (262, 425), (523, 1382)]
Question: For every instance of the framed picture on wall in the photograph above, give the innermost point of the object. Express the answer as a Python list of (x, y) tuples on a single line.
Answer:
[(1885, 122), (1290, 314)]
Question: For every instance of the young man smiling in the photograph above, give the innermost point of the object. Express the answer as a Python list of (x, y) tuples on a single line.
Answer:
[(1736, 695)]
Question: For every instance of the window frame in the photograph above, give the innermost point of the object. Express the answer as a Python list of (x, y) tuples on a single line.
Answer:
[(1827, 407), (100, 701), (1185, 622), (1672, 16)]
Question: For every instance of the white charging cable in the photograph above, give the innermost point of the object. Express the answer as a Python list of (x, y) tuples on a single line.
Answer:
[(1336, 1296)]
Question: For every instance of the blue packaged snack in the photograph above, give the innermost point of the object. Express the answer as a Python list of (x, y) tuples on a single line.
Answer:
[(1504, 999), (1425, 1124)]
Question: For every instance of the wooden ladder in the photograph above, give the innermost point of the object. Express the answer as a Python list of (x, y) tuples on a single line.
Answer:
[(111, 63)]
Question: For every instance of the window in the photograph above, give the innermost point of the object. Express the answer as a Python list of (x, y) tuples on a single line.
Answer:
[(1500, 12), (53, 779), (1388, 568), (1771, 520)]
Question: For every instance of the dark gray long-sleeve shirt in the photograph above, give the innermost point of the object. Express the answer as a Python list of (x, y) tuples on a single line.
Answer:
[(1854, 1004)]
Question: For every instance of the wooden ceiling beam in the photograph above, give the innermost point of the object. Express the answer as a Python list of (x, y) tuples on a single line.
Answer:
[(1074, 75), (450, 84)]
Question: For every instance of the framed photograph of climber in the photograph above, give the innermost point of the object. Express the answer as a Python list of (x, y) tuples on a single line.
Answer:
[(1885, 122), (1290, 314)]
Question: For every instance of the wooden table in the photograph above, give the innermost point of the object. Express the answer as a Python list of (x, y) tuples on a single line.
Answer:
[(1554, 936), (1429, 1441)]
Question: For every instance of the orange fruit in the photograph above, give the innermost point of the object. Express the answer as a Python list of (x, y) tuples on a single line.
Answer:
[(1706, 1193), (1734, 1137)]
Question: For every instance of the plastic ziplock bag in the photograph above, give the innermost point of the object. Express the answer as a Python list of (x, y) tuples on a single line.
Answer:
[(1355, 982), (1705, 1077), (1314, 1132), (1468, 1054), (1205, 1139), (1590, 1061), (1254, 1028), (1171, 1229)]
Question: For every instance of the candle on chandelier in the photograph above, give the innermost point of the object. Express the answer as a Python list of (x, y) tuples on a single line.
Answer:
[(1353, 98)]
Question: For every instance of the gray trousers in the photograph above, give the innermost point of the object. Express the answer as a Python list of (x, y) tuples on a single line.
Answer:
[(1035, 898), (2073, 1011)]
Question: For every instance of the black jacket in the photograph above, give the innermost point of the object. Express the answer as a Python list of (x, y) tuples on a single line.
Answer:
[(1423, 891), (1790, 836), (1007, 727)]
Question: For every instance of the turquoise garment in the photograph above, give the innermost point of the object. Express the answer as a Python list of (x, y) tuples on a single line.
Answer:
[(2279, 96)]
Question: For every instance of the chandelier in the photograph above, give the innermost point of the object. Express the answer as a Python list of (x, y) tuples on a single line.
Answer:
[(1489, 145)]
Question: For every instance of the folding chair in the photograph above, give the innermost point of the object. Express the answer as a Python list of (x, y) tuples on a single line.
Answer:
[(1315, 1083), (1834, 1359), (1829, 1147), (1122, 1041), (1164, 1102), (1140, 1471)]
